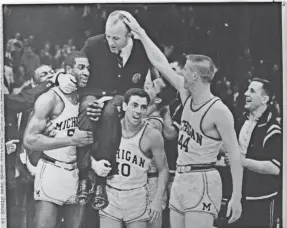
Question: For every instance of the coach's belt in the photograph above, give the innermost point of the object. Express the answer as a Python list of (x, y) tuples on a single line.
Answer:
[(194, 167), (64, 165), (152, 174)]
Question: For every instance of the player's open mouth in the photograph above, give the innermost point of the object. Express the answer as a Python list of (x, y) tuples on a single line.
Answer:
[(247, 100), (137, 118), (84, 79)]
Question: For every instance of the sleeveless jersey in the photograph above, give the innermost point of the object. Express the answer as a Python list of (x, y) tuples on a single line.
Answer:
[(153, 167), (133, 164), (65, 124), (194, 147)]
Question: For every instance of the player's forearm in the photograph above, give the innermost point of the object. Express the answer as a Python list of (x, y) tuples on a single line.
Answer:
[(162, 183), (158, 59), (40, 142), (263, 167), (236, 173), (169, 130)]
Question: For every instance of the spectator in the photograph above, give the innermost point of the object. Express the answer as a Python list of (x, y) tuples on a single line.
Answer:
[(31, 61), (21, 81), (260, 143), (58, 57), (70, 45), (8, 73), (13, 53), (31, 41), (46, 56)]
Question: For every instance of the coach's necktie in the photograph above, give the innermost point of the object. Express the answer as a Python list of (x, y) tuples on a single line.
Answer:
[(120, 59)]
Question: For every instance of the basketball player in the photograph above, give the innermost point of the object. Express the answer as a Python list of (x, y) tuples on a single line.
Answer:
[(206, 123), (127, 190), (56, 178)]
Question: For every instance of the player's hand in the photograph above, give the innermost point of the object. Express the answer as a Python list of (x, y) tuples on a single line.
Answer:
[(155, 211), (135, 27), (67, 83), (50, 130), (226, 160), (95, 109), (11, 146), (102, 167), (82, 138), (234, 209)]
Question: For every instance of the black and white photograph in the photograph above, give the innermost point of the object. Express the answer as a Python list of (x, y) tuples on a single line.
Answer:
[(142, 115)]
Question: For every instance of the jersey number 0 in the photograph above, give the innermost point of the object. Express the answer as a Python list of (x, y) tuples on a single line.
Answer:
[(124, 168)]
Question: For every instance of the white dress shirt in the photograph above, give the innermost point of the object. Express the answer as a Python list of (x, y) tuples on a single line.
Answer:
[(126, 51)]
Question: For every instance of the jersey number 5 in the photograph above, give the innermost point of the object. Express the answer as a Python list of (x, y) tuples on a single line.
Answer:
[(70, 132), (183, 143)]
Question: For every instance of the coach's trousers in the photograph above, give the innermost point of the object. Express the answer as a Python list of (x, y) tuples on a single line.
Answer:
[(107, 134)]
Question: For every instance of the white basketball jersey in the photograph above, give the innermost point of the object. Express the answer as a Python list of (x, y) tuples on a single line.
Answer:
[(65, 124), (194, 147), (133, 164)]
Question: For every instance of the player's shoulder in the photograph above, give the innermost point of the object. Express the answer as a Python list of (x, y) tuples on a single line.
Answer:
[(219, 110), (47, 98), (152, 134), (219, 106)]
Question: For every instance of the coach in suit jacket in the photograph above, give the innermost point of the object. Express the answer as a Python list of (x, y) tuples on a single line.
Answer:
[(114, 67), (118, 62)]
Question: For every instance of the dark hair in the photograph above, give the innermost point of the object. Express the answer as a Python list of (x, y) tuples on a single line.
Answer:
[(266, 86), (70, 58), (167, 94), (136, 92)]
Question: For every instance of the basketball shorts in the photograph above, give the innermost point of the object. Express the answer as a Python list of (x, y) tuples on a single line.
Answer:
[(198, 191), (152, 188), (55, 184), (32, 169), (127, 206)]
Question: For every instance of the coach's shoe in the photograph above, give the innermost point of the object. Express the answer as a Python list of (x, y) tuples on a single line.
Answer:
[(100, 200), (83, 192)]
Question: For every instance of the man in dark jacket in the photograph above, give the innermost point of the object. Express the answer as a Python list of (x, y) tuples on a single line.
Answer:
[(118, 63), (260, 142)]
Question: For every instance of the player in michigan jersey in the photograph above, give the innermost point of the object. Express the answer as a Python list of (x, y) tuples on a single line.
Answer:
[(206, 123), (56, 177), (127, 190)]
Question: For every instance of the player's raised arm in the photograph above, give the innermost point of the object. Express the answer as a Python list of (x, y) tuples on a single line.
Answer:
[(225, 125), (34, 139), (155, 55)]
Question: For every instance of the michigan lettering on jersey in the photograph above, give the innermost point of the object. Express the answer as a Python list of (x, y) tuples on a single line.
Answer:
[(127, 156), (186, 127), (68, 123)]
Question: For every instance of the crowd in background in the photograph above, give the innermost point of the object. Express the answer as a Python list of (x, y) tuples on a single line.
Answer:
[(45, 34)]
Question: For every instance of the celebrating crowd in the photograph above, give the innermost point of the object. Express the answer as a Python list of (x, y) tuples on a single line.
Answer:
[(123, 133)]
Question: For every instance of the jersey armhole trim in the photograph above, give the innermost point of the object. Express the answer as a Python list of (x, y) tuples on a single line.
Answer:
[(56, 92), (141, 140), (186, 100), (158, 119), (216, 139)]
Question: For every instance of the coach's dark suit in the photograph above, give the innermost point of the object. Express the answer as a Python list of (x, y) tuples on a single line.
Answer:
[(107, 77)]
